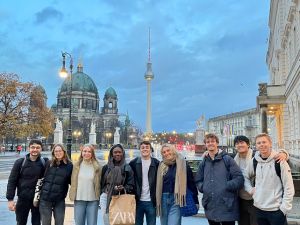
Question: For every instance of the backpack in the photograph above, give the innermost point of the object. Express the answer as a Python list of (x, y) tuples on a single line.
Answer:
[(225, 159), (24, 161), (277, 168)]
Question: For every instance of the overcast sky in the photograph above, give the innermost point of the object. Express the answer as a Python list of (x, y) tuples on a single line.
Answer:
[(208, 56)]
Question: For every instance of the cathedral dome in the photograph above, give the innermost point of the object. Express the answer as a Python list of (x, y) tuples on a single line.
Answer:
[(110, 92), (80, 82)]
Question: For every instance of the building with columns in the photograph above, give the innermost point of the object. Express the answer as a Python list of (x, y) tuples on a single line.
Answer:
[(280, 97), (226, 127), (86, 110)]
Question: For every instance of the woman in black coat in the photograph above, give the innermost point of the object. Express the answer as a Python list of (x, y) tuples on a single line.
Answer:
[(55, 186), (116, 177)]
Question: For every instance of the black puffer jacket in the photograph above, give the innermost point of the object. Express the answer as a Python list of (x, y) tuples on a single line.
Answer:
[(56, 181), (24, 180)]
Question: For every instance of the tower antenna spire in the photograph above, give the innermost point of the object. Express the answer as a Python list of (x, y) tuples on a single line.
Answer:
[(149, 49)]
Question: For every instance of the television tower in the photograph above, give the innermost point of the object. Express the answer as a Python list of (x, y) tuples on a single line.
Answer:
[(149, 77)]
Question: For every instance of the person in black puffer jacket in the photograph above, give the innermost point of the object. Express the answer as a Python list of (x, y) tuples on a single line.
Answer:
[(23, 177), (55, 186)]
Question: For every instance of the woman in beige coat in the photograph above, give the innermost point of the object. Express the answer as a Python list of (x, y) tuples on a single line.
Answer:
[(85, 187)]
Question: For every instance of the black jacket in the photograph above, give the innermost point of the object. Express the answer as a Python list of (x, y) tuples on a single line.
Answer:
[(128, 181), (56, 182), (136, 165), (24, 180)]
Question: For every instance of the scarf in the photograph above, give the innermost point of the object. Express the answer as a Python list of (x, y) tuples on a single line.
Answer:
[(113, 176), (180, 181)]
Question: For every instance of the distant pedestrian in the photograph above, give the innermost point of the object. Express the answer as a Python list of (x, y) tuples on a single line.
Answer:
[(273, 188), (174, 178), (219, 179), (19, 149), (55, 186), (2, 150), (23, 177), (116, 178), (145, 170), (85, 187)]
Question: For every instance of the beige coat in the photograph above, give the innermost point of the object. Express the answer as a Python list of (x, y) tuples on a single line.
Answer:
[(74, 179)]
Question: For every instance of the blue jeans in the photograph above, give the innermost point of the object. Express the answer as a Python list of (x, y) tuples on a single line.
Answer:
[(86, 211), (145, 208), (170, 213), (58, 209)]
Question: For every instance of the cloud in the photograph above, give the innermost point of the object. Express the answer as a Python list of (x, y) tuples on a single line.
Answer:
[(201, 52), (48, 14)]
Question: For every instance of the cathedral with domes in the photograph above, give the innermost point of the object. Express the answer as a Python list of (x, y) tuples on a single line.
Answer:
[(87, 108)]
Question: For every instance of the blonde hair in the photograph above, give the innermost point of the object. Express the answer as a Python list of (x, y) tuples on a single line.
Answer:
[(92, 148), (263, 135), (171, 147)]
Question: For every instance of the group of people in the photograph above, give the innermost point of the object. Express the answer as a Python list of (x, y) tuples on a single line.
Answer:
[(246, 189), (253, 189)]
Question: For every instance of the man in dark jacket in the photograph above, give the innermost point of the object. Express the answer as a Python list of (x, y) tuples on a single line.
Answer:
[(219, 179), (23, 177), (145, 169)]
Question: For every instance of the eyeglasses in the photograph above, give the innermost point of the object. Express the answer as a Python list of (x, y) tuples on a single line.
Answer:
[(35, 147)]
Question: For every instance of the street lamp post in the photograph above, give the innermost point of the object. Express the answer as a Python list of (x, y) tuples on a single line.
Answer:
[(64, 74), (108, 135), (77, 134)]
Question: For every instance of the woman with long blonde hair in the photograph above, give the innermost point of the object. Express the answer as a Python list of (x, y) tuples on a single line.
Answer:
[(85, 187), (174, 178), (57, 178)]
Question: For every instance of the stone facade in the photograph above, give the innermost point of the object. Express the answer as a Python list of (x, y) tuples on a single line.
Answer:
[(226, 127), (282, 99)]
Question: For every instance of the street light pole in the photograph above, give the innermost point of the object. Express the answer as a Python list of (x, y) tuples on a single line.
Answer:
[(64, 73)]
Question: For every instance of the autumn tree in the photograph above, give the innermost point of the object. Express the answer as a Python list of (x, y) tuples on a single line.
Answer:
[(14, 105), (41, 118), (23, 111)]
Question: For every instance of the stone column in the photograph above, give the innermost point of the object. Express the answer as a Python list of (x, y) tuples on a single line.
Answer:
[(264, 118)]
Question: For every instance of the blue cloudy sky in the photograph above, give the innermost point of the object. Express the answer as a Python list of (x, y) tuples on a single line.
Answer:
[(208, 56)]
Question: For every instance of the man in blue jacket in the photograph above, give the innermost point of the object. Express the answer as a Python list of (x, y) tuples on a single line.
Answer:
[(219, 179)]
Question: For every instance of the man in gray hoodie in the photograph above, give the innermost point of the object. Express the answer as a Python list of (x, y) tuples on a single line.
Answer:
[(272, 194)]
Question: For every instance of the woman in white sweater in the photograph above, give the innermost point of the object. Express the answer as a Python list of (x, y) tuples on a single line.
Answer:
[(85, 187)]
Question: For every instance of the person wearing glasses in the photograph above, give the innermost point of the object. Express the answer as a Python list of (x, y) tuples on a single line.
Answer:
[(23, 177), (55, 186)]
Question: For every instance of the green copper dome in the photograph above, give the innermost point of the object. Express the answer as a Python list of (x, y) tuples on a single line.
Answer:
[(110, 92), (80, 82)]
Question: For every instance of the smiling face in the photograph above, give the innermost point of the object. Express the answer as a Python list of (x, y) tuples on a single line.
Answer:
[(263, 144), (117, 154), (211, 144), (87, 153), (35, 150), (242, 147), (58, 153), (145, 151), (167, 153)]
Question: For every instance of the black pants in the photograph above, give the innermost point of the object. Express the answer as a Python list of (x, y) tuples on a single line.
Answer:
[(270, 217), (221, 223), (22, 210), (247, 212)]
